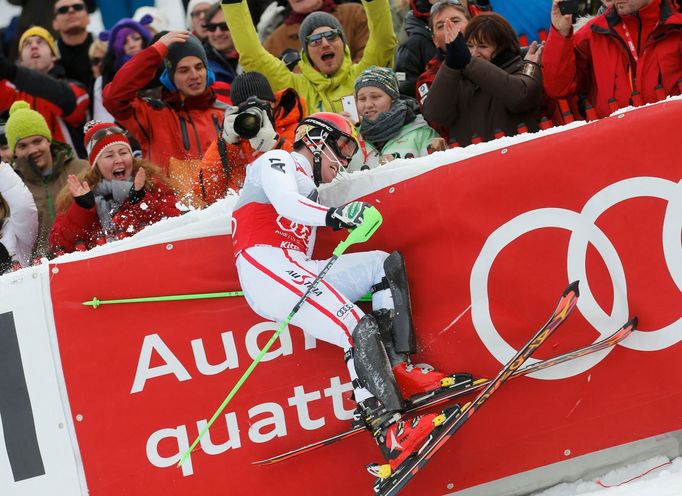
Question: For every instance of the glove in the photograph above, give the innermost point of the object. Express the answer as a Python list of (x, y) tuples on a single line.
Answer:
[(349, 216), (457, 54), (229, 135), (8, 70), (5, 259), (267, 137), (86, 201)]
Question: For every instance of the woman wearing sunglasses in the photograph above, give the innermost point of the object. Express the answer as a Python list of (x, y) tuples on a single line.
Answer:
[(390, 127), (483, 85), (327, 71)]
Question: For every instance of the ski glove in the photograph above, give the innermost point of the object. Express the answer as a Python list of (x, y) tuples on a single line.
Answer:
[(267, 137), (347, 216), (457, 54), (229, 134)]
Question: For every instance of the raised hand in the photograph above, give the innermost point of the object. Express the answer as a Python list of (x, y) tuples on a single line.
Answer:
[(76, 187), (140, 178), (562, 23)]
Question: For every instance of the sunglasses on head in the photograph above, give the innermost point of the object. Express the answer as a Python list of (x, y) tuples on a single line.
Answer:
[(214, 26), (438, 5), (77, 7), (316, 39)]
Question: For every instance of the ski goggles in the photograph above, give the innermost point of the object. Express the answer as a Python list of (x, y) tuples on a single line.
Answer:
[(344, 146), (315, 40)]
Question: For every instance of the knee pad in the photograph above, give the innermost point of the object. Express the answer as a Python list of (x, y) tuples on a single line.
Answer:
[(373, 366)]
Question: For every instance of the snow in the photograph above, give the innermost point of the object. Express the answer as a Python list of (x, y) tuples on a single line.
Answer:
[(657, 476)]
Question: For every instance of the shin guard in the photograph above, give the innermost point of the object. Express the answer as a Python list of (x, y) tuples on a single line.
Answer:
[(403, 329), (372, 364)]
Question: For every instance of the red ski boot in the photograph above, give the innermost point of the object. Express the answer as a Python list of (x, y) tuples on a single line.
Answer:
[(422, 378)]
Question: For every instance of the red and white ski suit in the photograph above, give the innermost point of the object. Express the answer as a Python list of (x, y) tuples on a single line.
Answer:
[(273, 233)]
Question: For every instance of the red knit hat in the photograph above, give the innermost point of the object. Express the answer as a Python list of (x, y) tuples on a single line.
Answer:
[(101, 135)]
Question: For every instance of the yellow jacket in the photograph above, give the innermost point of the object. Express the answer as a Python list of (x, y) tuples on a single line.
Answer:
[(320, 92)]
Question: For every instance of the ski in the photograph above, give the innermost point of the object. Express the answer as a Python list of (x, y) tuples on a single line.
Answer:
[(457, 392), (391, 485)]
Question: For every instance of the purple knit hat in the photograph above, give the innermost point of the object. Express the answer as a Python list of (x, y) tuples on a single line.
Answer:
[(120, 31)]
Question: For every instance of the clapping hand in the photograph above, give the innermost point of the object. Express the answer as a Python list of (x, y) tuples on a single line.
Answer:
[(76, 187)]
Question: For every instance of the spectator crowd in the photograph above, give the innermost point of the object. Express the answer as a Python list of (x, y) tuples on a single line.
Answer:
[(104, 133)]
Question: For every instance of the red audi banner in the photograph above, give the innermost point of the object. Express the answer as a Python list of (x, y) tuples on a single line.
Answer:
[(490, 243)]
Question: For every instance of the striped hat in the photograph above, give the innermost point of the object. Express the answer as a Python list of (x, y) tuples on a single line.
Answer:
[(379, 77), (101, 135)]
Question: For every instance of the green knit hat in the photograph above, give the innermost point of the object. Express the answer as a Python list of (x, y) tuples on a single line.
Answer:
[(24, 122)]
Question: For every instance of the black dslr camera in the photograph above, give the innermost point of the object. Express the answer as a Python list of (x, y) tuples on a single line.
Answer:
[(248, 120)]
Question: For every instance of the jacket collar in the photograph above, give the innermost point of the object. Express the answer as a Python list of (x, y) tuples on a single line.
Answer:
[(175, 101), (322, 82), (61, 153)]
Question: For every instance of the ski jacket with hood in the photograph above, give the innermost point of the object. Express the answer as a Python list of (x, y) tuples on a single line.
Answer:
[(412, 141), (320, 92), (172, 129), (598, 61), (45, 187), (214, 177), (18, 232), (415, 53)]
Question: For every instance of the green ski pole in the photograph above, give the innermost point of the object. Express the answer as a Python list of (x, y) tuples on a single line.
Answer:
[(371, 221)]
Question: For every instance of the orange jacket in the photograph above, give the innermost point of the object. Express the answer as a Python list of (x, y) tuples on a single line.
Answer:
[(213, 179)]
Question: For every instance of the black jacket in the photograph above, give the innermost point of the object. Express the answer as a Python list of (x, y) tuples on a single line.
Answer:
[(414, 54)]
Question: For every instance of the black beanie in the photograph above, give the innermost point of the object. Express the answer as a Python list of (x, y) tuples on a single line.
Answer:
[(250, 84), (316, 20), (178, 51)]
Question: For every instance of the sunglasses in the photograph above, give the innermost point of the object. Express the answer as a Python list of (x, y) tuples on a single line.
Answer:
[(198, 13), (316, 39), (212, 27), (95, 61), (77, 7)]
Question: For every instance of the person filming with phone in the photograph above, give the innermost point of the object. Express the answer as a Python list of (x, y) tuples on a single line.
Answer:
[(632, 47)]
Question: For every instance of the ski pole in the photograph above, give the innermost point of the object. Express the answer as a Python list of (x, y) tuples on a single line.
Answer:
[(96, 302), (371, 221)]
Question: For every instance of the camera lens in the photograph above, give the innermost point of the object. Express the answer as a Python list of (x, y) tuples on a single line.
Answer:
[(247, 124)]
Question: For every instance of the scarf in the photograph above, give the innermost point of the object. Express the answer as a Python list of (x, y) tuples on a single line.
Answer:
[(296, 18), (109, 196), (388, 124)]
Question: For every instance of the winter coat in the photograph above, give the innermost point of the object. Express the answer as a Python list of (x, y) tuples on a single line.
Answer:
[(351, 16), (45, 188), (415, 53), (482, 98), (413, 141), (595, 61), (173, 132), (63, 103), (212, 181), (224, 68), (320, 92), (19, 231), (76, 61), (77, 225)]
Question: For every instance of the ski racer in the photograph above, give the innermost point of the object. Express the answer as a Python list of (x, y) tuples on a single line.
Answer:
[(273, 232)]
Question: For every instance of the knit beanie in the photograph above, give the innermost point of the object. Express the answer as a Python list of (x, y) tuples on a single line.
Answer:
[(42, 33), (24, 122), (250, 84), (120, 31), (101, 135), (178, 51), (159, 18), (190, 8), (315, 20), (379, 77)]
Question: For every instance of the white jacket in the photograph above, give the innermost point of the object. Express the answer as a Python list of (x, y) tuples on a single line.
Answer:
[(18, 233)]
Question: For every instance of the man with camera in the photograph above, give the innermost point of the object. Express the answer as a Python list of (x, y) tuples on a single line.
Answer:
[(632, 47), (259, 121)]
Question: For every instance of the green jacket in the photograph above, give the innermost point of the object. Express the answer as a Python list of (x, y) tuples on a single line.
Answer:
[(320, 92), (45, 188), (412, 142)]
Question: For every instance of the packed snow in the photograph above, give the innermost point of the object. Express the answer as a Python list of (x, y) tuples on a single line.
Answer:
[(657, 476)]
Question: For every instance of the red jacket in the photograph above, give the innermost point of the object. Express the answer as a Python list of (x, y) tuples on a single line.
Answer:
[(60, 101), (170, 128), (211, 182), (76, 225), (598, 62)]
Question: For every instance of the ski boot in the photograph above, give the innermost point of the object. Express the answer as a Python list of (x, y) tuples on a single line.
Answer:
[(417, 380), (399, 438)]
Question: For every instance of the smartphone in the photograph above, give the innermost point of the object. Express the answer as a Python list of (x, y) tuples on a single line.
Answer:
[(348, 103), (568, 7)]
